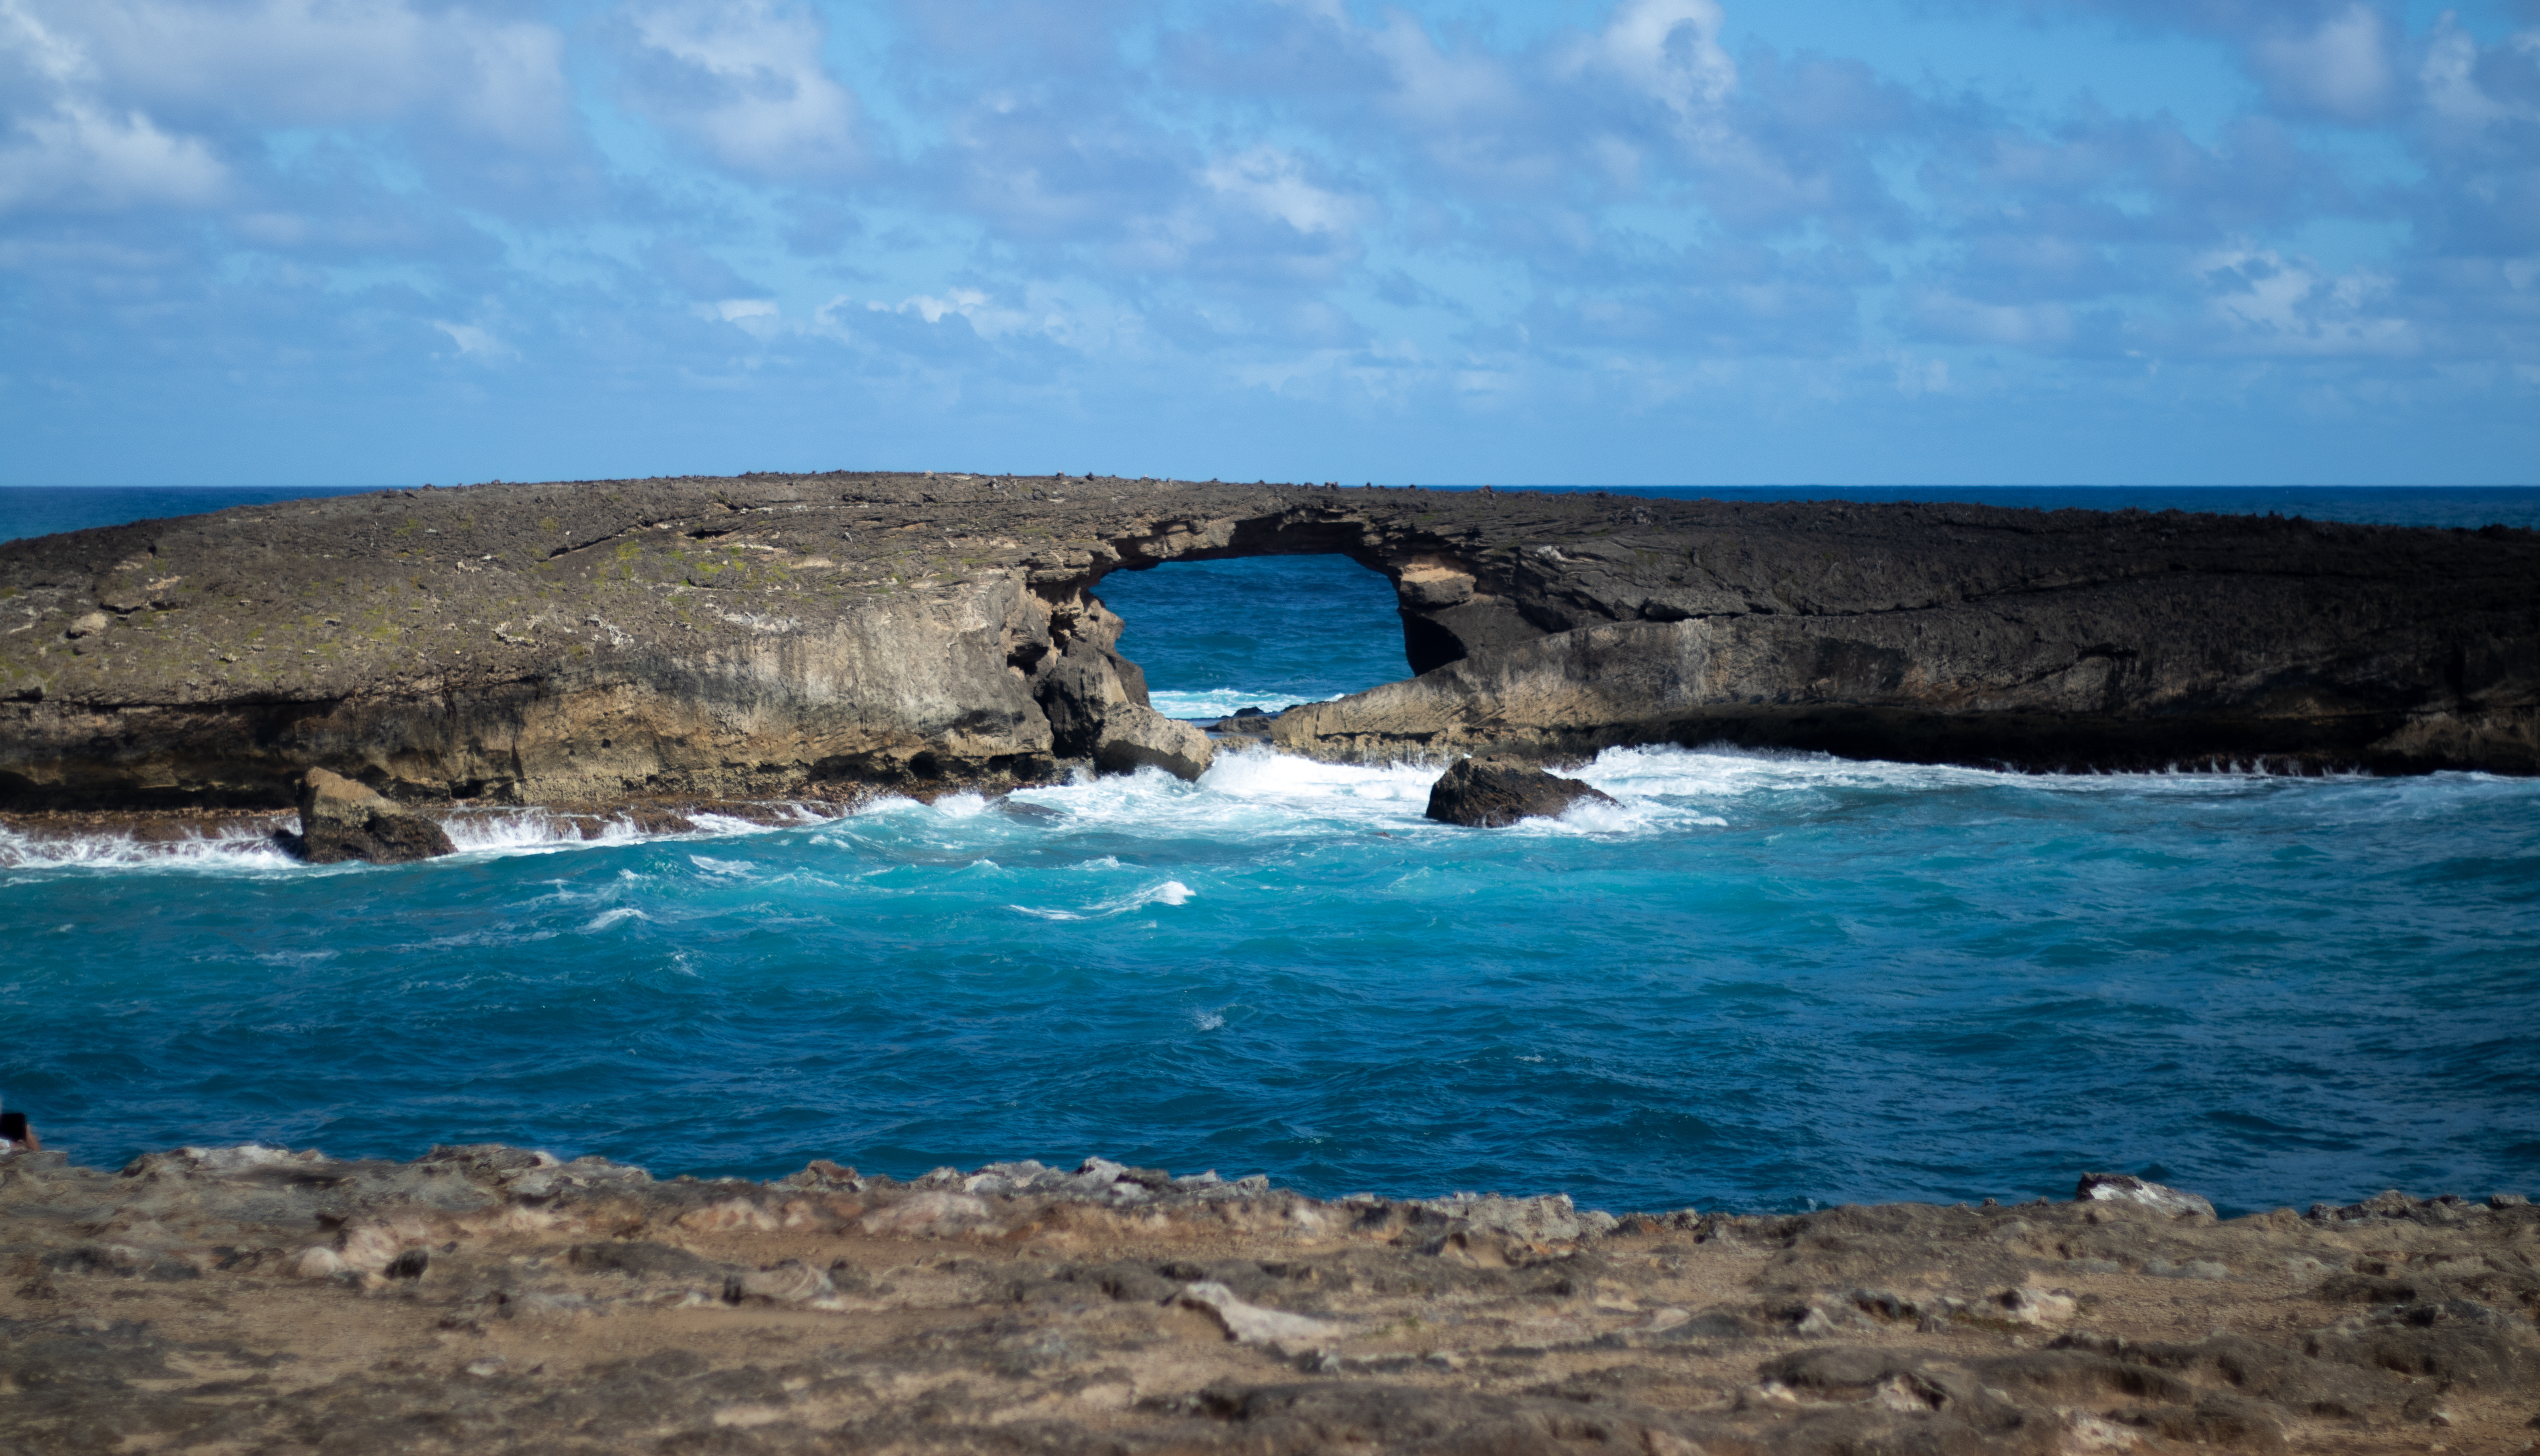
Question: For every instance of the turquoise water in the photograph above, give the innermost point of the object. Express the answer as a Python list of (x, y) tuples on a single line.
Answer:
[(1761, 981)]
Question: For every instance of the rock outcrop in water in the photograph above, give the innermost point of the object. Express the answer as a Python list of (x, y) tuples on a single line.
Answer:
[(488, 1300), (340, 820), (783, 635), (1495, 791)]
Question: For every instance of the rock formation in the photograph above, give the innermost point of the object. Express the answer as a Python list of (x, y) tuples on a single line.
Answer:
[(1494, 791), (490, 1300), (340, 820), (1098, 707), (774, 635)]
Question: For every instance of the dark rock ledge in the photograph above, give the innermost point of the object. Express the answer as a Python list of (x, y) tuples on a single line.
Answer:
[(780, 637), (490, 1299)]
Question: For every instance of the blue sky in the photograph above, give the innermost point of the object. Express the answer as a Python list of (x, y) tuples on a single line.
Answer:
[(1647, 241)]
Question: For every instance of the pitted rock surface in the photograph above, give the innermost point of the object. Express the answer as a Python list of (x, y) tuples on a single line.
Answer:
[(489, 1299)]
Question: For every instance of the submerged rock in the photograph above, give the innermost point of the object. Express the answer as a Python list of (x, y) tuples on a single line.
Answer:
[(1495, 791), (341, 819)]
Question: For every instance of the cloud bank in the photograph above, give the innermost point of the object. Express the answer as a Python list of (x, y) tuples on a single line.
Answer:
[(1661, 240)]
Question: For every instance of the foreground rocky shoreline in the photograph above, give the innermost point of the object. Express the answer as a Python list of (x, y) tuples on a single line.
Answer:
[(493, 1300)]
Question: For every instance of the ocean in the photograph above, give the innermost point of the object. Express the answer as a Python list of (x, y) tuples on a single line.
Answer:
[(1762, 982)]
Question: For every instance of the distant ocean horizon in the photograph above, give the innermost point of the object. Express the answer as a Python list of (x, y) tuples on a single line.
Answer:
[(1758, 981)]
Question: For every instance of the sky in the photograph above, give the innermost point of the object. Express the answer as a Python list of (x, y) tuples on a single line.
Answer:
[(1651, 242)]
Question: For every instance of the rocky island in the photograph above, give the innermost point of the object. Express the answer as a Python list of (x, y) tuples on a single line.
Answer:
[(489, 1299), (602, 644)]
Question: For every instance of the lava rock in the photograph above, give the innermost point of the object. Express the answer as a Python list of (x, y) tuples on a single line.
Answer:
[(341, 819), (1497, 790)]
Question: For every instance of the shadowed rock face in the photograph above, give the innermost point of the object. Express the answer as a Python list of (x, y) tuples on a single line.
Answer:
[(1492, 792), (486, 1299), (341, 820), (775, 636)]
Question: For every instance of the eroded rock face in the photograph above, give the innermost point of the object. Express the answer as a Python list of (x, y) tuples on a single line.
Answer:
[(492, 1300), (1495, 791), (340, 820), (1137, 738), (765, 637), (1098, 710)]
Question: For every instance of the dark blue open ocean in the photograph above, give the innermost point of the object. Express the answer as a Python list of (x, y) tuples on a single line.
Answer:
[(1762, 982)]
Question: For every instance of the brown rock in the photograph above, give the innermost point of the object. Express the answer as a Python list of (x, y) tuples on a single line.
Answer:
[(1135, 738), (493, 1300), (341, 819)]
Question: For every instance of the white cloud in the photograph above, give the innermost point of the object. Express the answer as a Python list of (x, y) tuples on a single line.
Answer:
[(84, 156), (2342, 66), (475, 342), (2279, 305), (759, 318), (2449, 75), (1667, 50), (744, 79), (963, 303), (72, 148), (327, 62), (1437, 90), (1273, 182), (2014, 326)]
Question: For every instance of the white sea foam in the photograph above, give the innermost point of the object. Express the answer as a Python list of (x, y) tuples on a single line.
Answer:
[(514, 831), (473, 833), (1257, 792), (607, 918), (725, 825), (1170, 892), (228, 848), (1222, 701), (1724, 775)]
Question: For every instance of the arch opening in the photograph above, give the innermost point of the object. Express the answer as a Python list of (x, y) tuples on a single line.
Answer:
[(1218, 635)]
